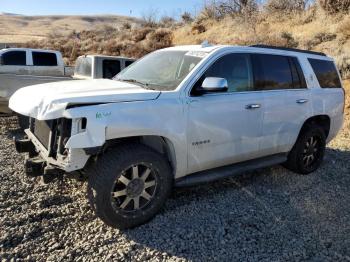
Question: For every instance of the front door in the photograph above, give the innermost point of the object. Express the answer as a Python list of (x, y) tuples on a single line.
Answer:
[(225, 128)]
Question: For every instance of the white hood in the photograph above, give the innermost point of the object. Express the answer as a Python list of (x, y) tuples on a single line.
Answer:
[(48, 101)]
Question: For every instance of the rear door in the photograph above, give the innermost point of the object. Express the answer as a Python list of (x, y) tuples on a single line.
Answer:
[(286, 100), (45, 64), (225, 128)]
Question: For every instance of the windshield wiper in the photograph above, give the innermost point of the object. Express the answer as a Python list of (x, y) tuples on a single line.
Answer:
[(144, 85), (132, 81)]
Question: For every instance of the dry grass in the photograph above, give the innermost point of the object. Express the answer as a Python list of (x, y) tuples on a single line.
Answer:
[(20, 29), (313, 29)]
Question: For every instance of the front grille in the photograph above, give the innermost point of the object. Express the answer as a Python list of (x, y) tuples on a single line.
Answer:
[(42, 131), (52, 134)]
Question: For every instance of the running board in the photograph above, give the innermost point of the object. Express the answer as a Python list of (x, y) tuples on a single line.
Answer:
[(228, 171)]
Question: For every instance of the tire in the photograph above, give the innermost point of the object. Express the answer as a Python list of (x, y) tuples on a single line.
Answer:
[(23, 121), (114, 200), (299, 159)]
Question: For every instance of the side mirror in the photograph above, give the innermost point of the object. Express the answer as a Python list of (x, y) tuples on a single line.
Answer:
[(214, 85)]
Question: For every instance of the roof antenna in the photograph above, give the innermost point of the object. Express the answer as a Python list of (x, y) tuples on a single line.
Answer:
[(205, 43)]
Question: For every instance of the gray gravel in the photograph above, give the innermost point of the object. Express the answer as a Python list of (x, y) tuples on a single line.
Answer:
[(271, 215)]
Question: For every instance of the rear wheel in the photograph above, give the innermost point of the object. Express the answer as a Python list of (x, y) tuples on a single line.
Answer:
[(129, 185), (308, 152)]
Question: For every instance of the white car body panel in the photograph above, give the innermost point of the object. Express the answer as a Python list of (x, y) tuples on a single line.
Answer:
[(51, 100), (118, 110)]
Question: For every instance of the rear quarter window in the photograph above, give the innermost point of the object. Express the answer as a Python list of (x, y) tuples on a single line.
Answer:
[(44, 59), (326, 73)]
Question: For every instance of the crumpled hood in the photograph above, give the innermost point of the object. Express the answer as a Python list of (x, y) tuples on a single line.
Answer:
[(48, 101)]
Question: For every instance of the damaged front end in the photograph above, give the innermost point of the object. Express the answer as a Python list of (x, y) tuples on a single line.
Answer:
[(46, 147)]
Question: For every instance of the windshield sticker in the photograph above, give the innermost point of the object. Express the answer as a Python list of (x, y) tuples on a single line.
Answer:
[(200, 54), (103, 114)]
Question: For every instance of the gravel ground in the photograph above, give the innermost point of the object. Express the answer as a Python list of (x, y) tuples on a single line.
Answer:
[(271, 215)]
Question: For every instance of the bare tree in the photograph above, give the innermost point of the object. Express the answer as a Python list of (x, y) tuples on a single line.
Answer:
[(335, 6)]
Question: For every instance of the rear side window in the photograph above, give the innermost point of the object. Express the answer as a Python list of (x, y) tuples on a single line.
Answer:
[(14, 58), (110, 68), (44, 59), (272, 72), (326, 73)]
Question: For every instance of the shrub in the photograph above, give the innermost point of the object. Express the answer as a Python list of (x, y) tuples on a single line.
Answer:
[(186, 18), (335, 6), (160, 38), (167, 21), (344, 28), (289, 40), (285, 5), (141, 34), (198, 28), (126, 26)]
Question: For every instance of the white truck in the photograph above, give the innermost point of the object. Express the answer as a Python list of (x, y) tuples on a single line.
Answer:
[(21, 67), (179, 117), (100, 66)]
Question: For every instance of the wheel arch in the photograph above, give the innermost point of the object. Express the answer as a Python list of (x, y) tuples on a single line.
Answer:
[(160, 144), (323, 121)]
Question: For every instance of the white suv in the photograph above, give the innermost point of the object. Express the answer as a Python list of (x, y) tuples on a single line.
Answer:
[(182, 116)]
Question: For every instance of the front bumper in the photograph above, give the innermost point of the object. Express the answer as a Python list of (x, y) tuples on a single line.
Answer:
[(46, 141)]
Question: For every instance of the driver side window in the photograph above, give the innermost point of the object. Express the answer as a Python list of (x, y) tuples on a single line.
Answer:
[(235, 68)]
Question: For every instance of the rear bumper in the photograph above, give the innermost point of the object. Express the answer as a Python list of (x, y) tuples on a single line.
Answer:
[(337, 123)]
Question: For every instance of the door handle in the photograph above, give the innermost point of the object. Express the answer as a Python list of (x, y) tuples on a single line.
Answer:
[(302, 101), (252, 106)]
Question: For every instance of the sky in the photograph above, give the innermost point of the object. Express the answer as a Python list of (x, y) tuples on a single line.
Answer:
[(94, 7)]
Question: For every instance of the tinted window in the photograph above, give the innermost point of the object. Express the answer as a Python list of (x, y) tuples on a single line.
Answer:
[(14, 58), (272, 72), (110, 68), (127, 63), (44, 59), (235, 68), (326, 73), (297, 74)]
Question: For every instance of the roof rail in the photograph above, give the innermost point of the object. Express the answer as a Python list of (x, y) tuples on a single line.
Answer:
[(289, 49)]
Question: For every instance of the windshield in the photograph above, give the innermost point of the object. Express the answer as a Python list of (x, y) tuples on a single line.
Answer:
[(162, 70), (83, 67)]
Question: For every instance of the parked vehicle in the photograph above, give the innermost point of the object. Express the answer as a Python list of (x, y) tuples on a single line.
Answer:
[(98, 66), (21, 67), (182, 116)]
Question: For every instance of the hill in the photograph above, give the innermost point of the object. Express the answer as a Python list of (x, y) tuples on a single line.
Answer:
[(20, 29)]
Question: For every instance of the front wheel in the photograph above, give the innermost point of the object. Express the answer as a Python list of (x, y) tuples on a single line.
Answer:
[(308, 152), (128, 185)]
